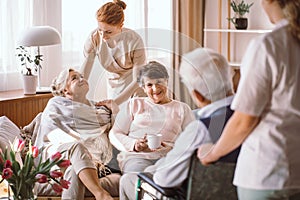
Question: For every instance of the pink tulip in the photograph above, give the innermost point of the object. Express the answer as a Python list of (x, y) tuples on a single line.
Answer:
[(57, 188), (64, 163), (7, 164), (64, 183), (21, 145), (7, 173), (55, 156), (56, 174), (35, 151), (18, 145), (41, 178)]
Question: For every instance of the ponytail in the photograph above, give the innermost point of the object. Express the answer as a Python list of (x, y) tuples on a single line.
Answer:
[(291, 10)]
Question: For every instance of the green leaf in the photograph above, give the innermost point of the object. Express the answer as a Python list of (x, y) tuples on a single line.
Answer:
[(28, 163), (5, 154), (16, 167), (12, 156), (241, 8)]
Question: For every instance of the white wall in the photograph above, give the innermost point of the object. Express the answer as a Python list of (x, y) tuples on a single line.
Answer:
[(257, 19)]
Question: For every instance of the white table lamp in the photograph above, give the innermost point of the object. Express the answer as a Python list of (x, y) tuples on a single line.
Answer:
[(40, 36)]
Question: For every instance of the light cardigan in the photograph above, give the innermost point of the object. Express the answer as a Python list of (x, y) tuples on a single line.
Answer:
[(141, 116)]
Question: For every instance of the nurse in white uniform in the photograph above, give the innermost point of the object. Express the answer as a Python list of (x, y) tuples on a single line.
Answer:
[(267, 111)]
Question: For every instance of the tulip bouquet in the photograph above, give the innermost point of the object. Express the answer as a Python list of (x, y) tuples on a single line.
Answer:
[(22, 176)]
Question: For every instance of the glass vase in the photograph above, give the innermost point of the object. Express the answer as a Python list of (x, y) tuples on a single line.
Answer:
[(22, 192)]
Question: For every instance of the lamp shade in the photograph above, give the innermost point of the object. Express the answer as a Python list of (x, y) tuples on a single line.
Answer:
[(39, 36)]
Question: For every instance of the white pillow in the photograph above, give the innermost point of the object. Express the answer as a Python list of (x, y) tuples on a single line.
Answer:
[(8, 132)]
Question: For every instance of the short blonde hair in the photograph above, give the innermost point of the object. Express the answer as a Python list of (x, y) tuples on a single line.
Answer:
[(59, 83), (206, 71)]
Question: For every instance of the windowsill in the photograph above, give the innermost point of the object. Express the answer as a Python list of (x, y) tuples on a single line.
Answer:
[(12, 95)]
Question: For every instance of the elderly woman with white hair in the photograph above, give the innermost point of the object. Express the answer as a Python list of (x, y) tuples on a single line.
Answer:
[(208, 79), (74, 125)]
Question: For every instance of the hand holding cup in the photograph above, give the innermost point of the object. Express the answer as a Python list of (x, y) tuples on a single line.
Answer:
[(154, 141)]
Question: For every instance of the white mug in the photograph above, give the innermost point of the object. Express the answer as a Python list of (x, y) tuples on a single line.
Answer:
[(154, 140)]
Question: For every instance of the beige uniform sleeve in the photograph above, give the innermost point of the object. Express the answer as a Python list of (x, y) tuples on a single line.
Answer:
[(89, 51)]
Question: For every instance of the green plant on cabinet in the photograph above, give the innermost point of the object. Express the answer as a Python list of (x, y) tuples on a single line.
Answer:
[(28, 64), (240, 9)]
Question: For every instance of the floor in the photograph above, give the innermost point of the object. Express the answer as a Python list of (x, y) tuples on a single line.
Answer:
[(57, 198)]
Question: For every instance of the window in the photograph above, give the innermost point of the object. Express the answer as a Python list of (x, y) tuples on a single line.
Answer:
[(14, 17), (78, 20), (143, 16)]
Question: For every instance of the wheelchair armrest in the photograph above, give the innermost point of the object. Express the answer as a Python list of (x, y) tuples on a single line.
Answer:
[(148, 178)]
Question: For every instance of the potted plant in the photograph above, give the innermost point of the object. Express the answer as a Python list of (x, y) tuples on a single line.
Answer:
[(240, 9), (29, 69)]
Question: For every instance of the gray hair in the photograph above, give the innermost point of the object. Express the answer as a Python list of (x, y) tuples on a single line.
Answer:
[(59, 83), (206, 71), (152, 70)]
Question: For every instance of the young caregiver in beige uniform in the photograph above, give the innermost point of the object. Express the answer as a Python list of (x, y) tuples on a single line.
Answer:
[(120, 52)]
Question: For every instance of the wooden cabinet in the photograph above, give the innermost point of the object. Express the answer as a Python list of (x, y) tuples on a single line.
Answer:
[(20, 108)]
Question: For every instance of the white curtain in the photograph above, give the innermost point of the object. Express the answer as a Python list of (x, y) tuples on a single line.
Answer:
[(14, 17), (188, 35)]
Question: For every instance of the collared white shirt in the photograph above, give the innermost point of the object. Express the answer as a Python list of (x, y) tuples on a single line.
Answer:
[(211, 108), (173, 169)]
